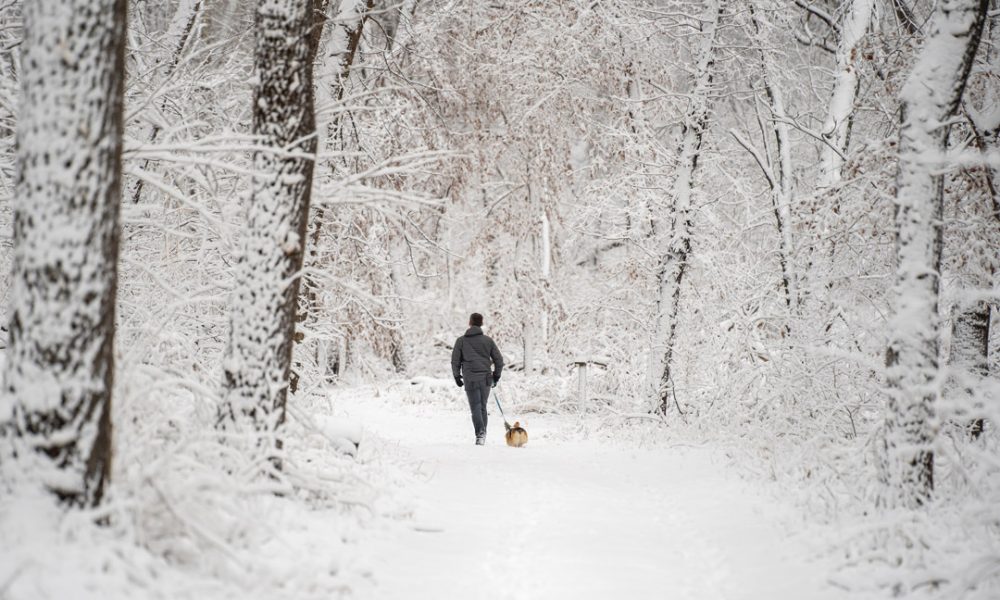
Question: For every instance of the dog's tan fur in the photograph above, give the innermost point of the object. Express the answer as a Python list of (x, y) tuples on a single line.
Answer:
[(516, 435)]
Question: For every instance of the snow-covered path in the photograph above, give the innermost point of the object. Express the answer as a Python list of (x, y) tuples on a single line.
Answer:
[(577, 520)]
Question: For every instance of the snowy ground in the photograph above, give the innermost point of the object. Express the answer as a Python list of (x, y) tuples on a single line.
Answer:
[(565, 518), (425, 514)]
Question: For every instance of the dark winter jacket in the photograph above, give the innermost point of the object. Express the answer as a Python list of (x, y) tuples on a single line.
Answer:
[(472, 356)]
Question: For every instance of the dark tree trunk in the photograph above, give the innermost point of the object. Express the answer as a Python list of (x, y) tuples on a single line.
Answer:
[(338, 58), (782, 181), (674, 259), (267, 273), (60, 361), (970, 342)]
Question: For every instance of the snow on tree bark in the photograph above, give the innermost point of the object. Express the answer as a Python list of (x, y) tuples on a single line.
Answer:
[(781, 187), (267, 271), (905, 17), (970, 343), (344, 42), (930, 99), (399, 30), (59, 372), (840, 113), (673, 262), (339, 52), (335, 69)]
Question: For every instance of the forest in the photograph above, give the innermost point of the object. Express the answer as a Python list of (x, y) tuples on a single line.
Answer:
[(739, 256)]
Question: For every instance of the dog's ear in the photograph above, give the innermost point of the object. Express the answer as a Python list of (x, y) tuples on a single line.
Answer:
[(517, 423)]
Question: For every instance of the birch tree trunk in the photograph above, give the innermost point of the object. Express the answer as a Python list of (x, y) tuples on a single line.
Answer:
[(267, 272), (840, 113), (59, 372), (673, 261), (930, 99)]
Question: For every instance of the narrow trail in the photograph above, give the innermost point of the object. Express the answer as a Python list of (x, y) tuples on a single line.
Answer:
[(577, 520)]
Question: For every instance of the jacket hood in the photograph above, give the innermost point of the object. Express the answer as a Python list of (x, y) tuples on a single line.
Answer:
[(473, 331)]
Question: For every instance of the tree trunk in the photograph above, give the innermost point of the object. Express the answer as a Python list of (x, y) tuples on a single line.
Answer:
[(528, 344), (674, 260), (267, 271), (905, 16), (546, 271), (985, 127), (338, 58), (60, 360), (781, 190), (840, 113), (397, 342), (970, 344), (930, 97), (345, 37)]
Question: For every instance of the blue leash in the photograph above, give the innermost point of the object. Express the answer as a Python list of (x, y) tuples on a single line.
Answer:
[(496, 398)]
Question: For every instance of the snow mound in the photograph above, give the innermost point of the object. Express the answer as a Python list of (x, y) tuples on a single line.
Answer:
[(343, 434)]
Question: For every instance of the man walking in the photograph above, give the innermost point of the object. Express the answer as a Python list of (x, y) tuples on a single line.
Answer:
[(471, 357)]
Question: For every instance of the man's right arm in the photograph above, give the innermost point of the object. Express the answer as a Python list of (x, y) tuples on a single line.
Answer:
[(456, 360)]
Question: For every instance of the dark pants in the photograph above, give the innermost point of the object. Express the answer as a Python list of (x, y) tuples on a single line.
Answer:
[(478, 393)]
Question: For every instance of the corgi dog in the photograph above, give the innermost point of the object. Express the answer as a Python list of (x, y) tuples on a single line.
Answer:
[(516, 435)]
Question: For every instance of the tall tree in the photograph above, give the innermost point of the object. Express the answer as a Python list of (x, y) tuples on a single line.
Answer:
[(930, 99), (781, 181), (267, 272), (673, 261), (969, 358), (338, 53), (60, 361)]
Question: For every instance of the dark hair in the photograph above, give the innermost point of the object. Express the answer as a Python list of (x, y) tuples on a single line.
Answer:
[(476, 320)]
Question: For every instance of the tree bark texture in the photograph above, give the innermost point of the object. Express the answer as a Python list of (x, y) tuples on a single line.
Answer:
[(781, 188), (338, 57), (673, 261), (930, 99), (970, 344), (840, 114), (267, 272), (59, 372)]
